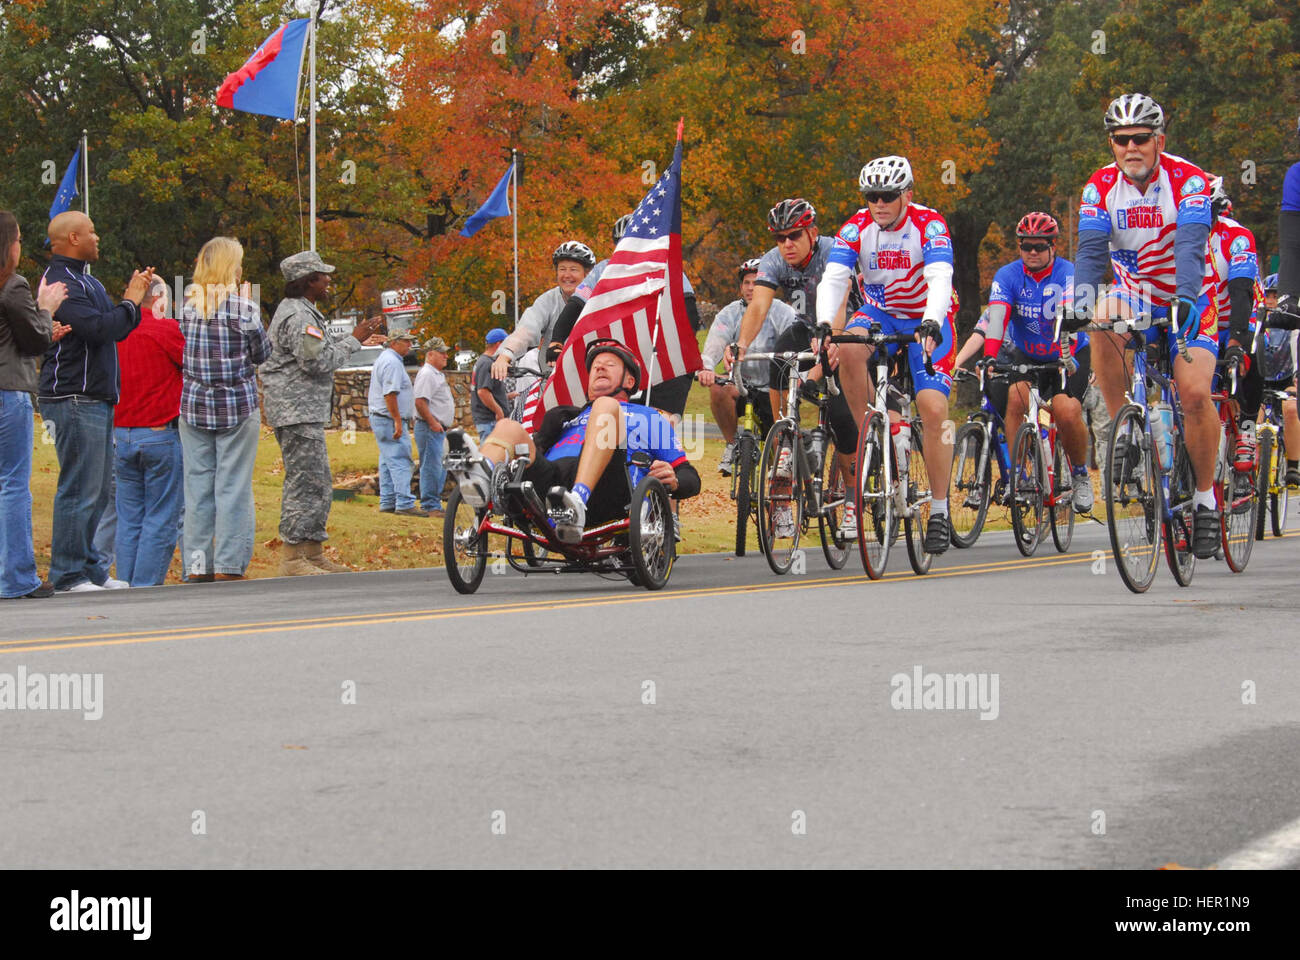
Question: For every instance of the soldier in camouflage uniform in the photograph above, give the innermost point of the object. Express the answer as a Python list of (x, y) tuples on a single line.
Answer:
[(297, 382)]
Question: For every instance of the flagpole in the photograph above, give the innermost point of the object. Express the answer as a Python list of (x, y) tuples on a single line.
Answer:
[(514, 219), (85, 173), (315, 11)]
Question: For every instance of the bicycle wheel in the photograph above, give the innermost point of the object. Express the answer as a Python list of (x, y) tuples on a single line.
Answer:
[(780, 503), (1134, 505), (1277, 494), (650, 534), (918, 505), (1179, 529), (743, 468), (834, 490), (1263, 479), (1240, 506), (464, 549), (1061, 509), (968, 490), (1028, 478), (877, 524)]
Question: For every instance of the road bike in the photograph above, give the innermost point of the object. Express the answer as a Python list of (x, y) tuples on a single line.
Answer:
[(1234, 490), (980, 443)]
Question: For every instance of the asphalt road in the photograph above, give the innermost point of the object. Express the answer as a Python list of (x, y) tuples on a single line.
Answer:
[(510, 728)]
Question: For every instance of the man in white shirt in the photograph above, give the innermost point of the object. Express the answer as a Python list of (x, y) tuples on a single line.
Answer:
[(435, 411)]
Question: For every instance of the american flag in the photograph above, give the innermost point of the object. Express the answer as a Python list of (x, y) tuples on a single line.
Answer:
[(637, 300)]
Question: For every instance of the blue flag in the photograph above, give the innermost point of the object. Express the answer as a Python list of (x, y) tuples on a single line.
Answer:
[(498, 205), (68, 188)]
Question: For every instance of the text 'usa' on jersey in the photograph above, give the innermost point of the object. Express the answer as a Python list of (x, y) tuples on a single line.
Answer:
[(1141, 224), (1232, 255), (891, 262), (647, 431), (1032, 302)]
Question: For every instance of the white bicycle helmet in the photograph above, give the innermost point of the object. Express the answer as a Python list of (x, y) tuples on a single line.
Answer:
[(749, 266), (1134, 110), (886, 175), (1220, 202), (576, 251), (620, 226)]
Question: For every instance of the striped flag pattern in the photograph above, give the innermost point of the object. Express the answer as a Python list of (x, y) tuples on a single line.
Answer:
[(638, 301)]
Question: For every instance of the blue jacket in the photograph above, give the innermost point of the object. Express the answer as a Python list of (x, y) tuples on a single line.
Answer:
[(84, 363)]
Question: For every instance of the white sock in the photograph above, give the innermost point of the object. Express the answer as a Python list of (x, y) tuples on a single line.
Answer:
[(1204, 498), (939, 508)]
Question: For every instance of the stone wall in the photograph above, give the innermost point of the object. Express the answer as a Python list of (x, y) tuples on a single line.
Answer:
[(351, 390)]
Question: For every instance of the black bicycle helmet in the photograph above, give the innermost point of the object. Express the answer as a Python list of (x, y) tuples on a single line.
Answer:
[(791, 215), (630, 362)]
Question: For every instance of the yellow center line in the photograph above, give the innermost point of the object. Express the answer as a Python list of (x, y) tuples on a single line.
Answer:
[(534, 606)]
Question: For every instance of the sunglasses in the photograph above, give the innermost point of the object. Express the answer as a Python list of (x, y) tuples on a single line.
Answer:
[(1035, 247), (790, 237), (1123, 139), (874, 197)]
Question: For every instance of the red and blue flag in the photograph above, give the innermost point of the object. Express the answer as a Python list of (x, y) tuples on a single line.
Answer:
[(267, 83)]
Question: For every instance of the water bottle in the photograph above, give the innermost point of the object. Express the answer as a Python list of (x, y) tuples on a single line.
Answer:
[(816, 439), (1162, 427), (902, 432)]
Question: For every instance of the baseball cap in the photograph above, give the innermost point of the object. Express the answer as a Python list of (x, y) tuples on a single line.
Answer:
[(436, 343), (301, 264), (405, 335), (495, 335)]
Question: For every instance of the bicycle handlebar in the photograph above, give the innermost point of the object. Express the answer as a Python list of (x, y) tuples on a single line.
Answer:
[(1282, 320)]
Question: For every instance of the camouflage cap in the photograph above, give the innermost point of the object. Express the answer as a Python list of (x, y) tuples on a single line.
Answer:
[(404, 335), (301, 264), (436, 343)]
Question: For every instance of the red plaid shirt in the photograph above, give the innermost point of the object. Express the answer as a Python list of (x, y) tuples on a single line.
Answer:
[(150, 359)]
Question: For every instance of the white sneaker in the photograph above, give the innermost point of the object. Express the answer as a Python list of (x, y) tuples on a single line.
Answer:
[(475, 482), (783, 464), (783, 521), (568, 513), (849, 522), (1082, 494), (111, 584), (728, 457), (84, 587)]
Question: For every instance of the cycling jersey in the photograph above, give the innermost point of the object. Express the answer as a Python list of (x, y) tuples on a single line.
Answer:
[(1141, 225), (536, 325), (1232, 255), (648, 431), (1028, 303), (1291, 189), (800, 284), (725, 330), (906, 271)]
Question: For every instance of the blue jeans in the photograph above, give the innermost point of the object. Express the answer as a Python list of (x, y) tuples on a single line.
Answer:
[(106, 533), (150, 476), (219, 515), (484, 428), (83, 443), (395, 464), (433, 472), (17, 555)]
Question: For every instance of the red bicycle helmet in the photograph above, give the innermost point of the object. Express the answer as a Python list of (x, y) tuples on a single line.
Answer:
[(630, 361), (1038, 224)]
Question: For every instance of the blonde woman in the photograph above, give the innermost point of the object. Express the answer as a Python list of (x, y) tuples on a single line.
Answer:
[(224, 343)]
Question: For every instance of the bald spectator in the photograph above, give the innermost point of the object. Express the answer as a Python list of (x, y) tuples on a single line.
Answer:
[(150, 468), (26, 330), (79, 385)]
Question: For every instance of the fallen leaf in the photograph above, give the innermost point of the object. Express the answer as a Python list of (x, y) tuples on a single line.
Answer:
[(294, 746)]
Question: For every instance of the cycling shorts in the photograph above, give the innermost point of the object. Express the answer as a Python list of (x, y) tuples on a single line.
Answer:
[(609, 498), (1208, 337), (1049, 381), (941, 359)]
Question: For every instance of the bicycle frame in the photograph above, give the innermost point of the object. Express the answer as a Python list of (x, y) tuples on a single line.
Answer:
[(1144, 372)]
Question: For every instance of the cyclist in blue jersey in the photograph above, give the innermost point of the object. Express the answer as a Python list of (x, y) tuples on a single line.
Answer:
[(572, 455), (1288, 239), (1023, 304), (1277, 366)]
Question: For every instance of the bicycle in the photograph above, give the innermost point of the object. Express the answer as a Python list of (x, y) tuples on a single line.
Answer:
[(1149, 493), (799, 472), (1271, 483), (971, 490), (1041, 486), (744, 461), (1234, 490), (892, 481)]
